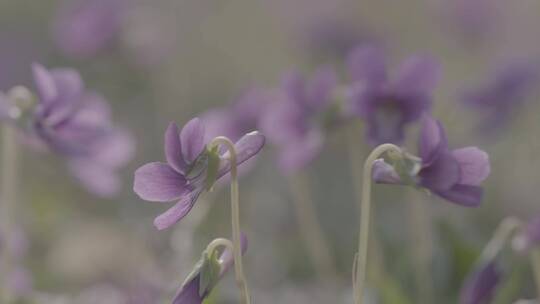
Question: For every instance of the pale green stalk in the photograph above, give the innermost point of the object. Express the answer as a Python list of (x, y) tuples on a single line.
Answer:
[(310, 229), (365, 215), (235, 219), (8, 194)]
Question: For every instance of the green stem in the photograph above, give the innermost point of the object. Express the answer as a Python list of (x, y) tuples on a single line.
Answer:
[(535, 261), (235, 219), (504, 231), (420, 218), (8, 192), (219, 242), (310, 229), (365, 215)]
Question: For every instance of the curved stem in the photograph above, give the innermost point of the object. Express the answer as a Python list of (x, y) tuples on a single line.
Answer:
[(8, 195), (504, 231), (219, 242), (310, 229), (365, 215), (235, 219)]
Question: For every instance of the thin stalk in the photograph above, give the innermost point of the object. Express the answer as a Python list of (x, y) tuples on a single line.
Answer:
[(535, 261), (235, 220), (420, 221), (8, 194), (310, 228), (220, 242), (365, 215), (504, 231)]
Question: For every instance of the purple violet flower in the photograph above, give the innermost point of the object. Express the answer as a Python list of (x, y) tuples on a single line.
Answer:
[(77, 124), (85, 27), (499, 98), (455, 175), (294, 123), (183, 177), (192, 291), (388, 105), (480, 286), (528, 237)]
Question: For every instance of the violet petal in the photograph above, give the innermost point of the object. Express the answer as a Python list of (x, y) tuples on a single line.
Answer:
[(178, 211), (192, 140), (173, 148), (367, 64), (474, 165), (158, 182), (432, 139), (417, 75), (441, 174), (464, 195)]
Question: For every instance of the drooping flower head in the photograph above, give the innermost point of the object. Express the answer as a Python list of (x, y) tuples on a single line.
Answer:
[(77, 124), (85, 27), (206, 274), (498, 99), (189, 169), (481, 284), (296, 122), (387, 104), (529, 236), (455, 175)]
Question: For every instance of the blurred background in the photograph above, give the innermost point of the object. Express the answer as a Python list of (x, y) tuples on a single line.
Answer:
[(162, 61)]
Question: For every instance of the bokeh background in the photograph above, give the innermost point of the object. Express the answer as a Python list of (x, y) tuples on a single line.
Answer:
[(173, 60)]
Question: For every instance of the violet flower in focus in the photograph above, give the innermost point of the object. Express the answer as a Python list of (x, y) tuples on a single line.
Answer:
[(296, 123), (85, 27), (77, 125), (528, 237), (498, 99), (388, 104), (184, 176), (455, 175), (480, 286), (194, 290)]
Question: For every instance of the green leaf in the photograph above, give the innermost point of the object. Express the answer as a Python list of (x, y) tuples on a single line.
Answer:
[(392, 293), (213, 167), (209, 272)]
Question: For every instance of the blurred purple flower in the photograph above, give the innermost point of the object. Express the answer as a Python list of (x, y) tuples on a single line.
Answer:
[(481, 284), (455, 175), (149, 34), (295, 123), (77, 124), (238, 119), (332, 37), (184, 175), (190, 292), (528, 237), (499, 98), (473, 20), (387, 105), (20, 282), (85, 27)]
